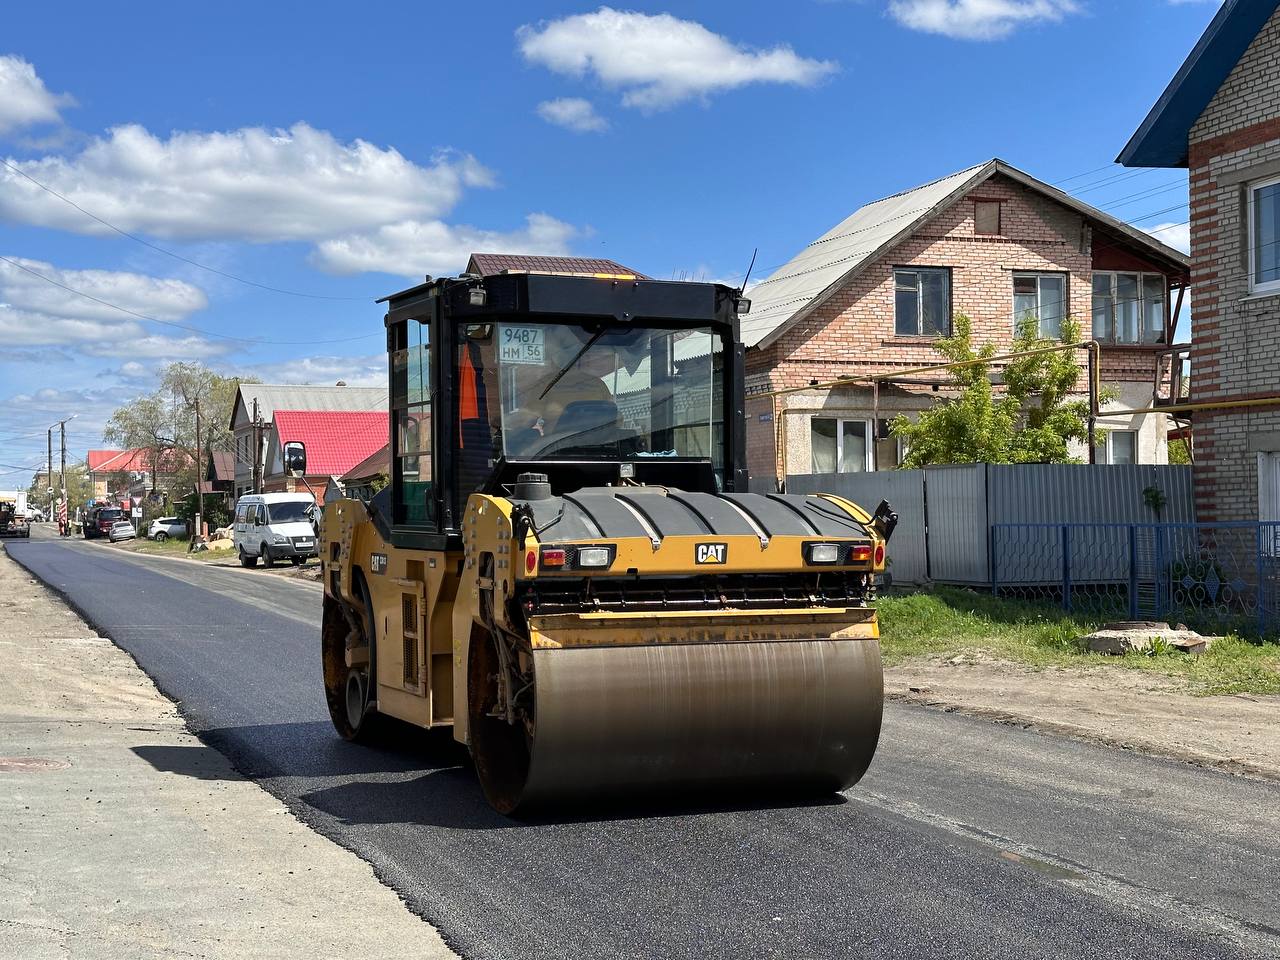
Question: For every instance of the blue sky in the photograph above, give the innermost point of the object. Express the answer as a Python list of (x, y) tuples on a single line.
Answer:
[(306, 148)]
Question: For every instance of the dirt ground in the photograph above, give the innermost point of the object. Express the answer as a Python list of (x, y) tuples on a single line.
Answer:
[(1130, 709)]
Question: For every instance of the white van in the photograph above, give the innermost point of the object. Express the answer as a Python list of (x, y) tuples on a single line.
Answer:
[(275, 526)]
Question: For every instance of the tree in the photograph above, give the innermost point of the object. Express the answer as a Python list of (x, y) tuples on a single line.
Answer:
[(163, 423), (1179, 452), (79, 489), (1032, 421)]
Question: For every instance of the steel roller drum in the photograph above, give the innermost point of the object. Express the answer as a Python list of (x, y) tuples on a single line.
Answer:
[(794, 715)]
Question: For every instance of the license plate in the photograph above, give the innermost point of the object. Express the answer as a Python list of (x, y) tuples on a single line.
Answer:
[(304, 543)]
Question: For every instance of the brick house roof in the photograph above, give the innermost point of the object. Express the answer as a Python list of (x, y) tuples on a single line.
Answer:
[(377, 462), (1161, 140), (336, 440), (488, 264), (826, 265)]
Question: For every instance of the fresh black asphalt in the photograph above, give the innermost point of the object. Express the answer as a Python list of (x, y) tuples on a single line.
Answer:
[(966, 839)]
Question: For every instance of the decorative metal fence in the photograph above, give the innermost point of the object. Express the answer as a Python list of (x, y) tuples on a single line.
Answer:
[(1216, 576)]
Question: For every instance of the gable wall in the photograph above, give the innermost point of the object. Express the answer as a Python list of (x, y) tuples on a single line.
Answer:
[(853, 332), (1235, 336)]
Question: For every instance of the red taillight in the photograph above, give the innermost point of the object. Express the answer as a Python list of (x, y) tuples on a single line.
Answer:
[(879, 554), (860, 553), (553, 556), (530, 562)]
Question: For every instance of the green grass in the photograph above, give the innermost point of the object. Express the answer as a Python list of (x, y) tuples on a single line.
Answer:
[(951, 621)]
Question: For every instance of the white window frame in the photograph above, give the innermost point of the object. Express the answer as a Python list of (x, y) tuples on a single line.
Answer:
[(867, 425), (1136, 446), (1269, 286), (1038, 274), (1142, 303), (919, 331)]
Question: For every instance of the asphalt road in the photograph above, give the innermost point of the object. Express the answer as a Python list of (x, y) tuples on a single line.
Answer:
[(966, 839)]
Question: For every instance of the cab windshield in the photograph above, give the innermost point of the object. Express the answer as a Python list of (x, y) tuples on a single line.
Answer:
[(287, 511), (547, 391)]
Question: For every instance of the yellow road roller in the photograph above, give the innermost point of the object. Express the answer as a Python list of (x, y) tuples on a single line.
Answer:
[(567, 567)]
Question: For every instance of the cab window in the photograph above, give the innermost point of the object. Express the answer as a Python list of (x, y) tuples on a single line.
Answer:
[(411, 410)]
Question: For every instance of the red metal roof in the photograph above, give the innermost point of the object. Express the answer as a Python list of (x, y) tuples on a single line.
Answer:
[(137, 460), (99, 458), (336, 439), (488, 264)]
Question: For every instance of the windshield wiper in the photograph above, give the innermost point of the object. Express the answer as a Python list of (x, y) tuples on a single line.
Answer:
[(578, 356)]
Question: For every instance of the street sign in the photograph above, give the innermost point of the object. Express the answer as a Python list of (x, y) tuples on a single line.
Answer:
[(137, 513)]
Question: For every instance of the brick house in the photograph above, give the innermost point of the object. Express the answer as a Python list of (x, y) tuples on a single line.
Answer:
[(1219, 118), (872, 294)]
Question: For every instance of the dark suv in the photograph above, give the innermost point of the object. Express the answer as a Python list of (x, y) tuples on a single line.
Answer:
[(100, 521)]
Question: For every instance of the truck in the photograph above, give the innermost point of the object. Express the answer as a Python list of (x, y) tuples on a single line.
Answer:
[(569, 567), (13, 514)]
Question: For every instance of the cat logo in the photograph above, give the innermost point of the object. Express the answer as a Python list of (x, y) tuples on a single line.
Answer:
[(711, 553), (378, 563)]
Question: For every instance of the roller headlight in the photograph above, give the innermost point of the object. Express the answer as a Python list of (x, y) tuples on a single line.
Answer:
[(594, 557), (825, 554)]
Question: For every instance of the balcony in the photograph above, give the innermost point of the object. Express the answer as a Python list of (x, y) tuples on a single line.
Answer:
[(1172, 384)]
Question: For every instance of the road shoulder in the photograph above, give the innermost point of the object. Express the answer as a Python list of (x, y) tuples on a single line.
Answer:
[(127, 837), (1130, 709)]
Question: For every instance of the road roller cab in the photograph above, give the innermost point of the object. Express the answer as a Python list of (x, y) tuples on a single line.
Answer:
[(568, 568)]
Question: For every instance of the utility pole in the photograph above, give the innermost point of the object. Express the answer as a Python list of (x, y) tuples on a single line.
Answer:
[(257, 448), (198, 535), (48, 476), (62, 478)]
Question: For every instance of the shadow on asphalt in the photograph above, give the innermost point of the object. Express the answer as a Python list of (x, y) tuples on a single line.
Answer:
[(451, 798)]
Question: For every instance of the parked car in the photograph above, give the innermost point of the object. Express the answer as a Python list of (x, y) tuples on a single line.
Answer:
[(35, 515), (165, 527), (275, 526), (100, 520), (121, 530)]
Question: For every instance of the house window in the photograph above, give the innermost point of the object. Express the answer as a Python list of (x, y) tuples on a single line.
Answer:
[(1122, 447), (1129, 307), (1264, 236), (1040, 299), (922, 302), (839, 446), (986, 217)]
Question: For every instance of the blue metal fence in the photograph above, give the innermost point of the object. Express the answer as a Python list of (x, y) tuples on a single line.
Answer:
[(1215, 576)]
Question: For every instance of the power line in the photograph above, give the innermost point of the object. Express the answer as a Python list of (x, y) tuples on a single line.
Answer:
[(173, 323), (169, 253)]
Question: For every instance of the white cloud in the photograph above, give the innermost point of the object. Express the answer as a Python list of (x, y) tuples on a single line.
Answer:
[(164, 299), (977, 19), (659, 60), (24, 328), (250, 184), (414, 248), (1176, 235), (34, 312), (572, 113), (367, 371), (24, 100), (155, 347)]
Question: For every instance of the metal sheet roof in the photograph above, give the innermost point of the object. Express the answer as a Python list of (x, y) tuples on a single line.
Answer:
[(293, 396), (805, 280), (809, 278), (1161, 140)]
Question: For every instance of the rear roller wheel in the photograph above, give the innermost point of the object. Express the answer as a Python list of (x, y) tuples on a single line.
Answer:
[(246, 560), (348, 690)]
